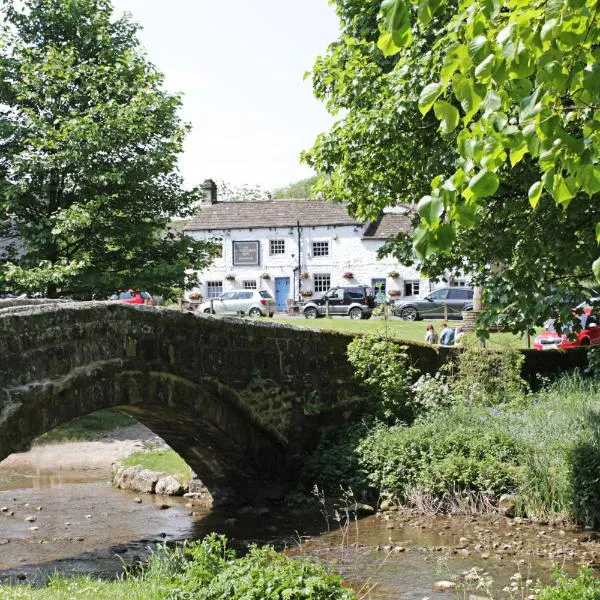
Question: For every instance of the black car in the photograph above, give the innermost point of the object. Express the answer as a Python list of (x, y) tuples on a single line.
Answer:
[(354, 301), (442, 303)]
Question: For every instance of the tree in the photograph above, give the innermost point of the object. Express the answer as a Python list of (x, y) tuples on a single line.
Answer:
[(302, 189), (517, 78), (88, 149), (392, 142)]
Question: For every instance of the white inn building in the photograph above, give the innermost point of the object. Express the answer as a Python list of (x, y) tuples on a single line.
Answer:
[(296, 248)]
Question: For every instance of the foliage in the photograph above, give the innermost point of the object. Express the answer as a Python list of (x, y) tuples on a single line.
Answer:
[(432, 392), (382, 150), (459, 449), (206, 570), (585, 586), (384, 365), (88, 156), (515, 79), (87, 427), (229, 192), (164, 460), (489, 378), (302, 190)]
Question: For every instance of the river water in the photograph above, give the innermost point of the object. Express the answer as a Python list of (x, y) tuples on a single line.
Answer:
[(73, 521)]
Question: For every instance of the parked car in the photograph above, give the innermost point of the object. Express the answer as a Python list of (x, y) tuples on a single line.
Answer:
[(254, 303), (567, 337), (133, 297), (354, 301), (456, 299)]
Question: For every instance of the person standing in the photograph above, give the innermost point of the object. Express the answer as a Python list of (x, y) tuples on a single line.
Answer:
[(431, 336), (447, 335)]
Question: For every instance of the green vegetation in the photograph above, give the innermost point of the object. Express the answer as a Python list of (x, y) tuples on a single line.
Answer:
[(166, 461), (492, 124), (206, 570), (301, 190), (585, 586), (89, 143), (87, 427), (471, 432), (402, 330)]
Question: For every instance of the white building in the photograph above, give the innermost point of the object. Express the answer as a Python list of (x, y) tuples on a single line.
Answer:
[(297, 247)]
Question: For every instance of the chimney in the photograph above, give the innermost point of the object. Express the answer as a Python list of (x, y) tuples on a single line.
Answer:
[(210, 192)]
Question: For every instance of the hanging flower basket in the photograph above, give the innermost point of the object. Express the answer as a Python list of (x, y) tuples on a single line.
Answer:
[(393, 274), (197, 296), (305, 275), (230, 277), (394, 292), (306, 293), (265, 276), (348, 275)]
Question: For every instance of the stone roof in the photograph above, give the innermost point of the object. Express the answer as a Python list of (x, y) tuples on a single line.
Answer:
[(390, 224), (270, 213)]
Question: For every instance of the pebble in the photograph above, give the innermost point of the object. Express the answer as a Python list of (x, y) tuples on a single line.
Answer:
[(4, 509), (30, 519), (88, 516), (139, 500), (34, 528), (163, 506)]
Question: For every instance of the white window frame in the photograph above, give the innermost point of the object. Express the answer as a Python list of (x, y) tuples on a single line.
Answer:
[(249, 284), (415, 284), (321, 282), (211, 286), (320, 248), (276, 247)]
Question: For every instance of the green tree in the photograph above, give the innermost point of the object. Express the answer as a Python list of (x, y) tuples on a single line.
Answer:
[(302, 189), (387, 148), (88, 155)]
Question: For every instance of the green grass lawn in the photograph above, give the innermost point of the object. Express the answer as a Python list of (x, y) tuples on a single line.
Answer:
[(166, 461), (404, 330)]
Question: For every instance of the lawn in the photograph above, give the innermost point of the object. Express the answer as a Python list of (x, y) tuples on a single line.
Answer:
[(165, 460), (403, 330)]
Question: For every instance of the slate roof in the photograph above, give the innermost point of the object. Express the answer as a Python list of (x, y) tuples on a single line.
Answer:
[(286, 213), (390, 224), (271, 213)]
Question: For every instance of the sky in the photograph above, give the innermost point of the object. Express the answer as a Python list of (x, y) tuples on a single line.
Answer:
[(240, 65)]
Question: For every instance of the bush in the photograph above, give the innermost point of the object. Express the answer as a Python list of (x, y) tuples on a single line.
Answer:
[(583, 587), (489, 378), (456, 449), (432, 393), (385, 367)]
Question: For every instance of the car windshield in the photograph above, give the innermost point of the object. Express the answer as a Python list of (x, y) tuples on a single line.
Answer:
[(565, 327)]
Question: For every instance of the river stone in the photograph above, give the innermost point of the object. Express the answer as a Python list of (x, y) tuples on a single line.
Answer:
[(507, 505), (136, 479), (443, 586), (169, 486), (362, 509)]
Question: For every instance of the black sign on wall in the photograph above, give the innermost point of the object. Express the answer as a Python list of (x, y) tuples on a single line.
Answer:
[(246, 253)]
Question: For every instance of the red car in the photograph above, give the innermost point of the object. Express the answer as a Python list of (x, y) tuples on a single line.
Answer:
[(134, 297), (588, 335)]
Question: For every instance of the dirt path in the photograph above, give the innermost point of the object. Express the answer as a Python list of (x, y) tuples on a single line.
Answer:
[(102, 452)]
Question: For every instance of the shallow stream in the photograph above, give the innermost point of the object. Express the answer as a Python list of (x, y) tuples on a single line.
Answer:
[(74, 522)]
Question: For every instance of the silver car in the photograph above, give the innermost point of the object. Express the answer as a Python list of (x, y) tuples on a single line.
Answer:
[(442, 303), (254, 303)]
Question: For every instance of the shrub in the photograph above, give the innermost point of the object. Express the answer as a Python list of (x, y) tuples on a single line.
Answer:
[(583, 587), (454, 449), (489, 378), (432, 392), (384, 365)]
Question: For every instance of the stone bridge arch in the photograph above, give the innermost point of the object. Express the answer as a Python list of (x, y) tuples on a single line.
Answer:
[(241, 401)]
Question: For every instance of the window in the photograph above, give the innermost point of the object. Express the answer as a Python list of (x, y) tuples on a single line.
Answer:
[(460, 294), (320, 249), (411, 288), (214, 289), (244, 295), (249, 284), (458, 283), (321, 281), (439, 294), (335, 294), (276, 246)]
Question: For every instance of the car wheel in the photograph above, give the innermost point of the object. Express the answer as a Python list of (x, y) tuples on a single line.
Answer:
[(254, 313), (311, 313), (585, 342), (356, 314), (409, 313), (207, 311)]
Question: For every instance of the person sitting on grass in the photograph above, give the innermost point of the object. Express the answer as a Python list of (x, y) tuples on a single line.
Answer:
[(447, 335)]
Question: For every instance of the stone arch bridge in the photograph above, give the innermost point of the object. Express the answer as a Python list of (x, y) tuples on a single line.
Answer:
[(241, 401)]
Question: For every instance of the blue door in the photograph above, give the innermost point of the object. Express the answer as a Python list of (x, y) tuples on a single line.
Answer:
[(282, 292)]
